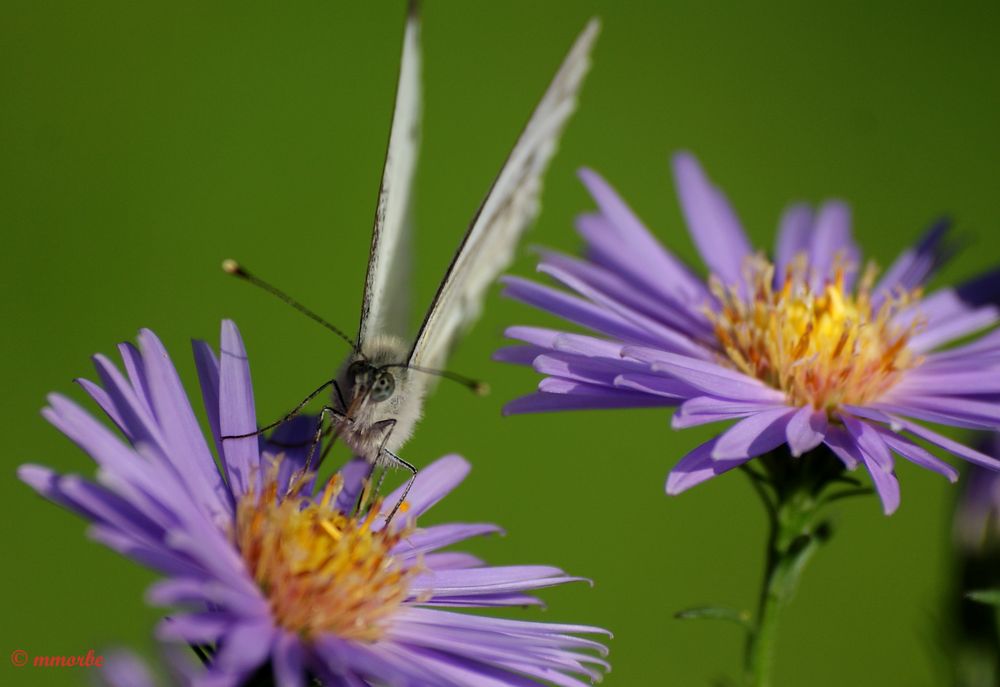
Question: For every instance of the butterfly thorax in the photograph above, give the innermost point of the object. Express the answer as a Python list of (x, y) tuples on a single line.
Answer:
[(380, 398)]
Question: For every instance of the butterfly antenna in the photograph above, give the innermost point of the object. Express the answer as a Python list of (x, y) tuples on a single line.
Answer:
[(476, 386), (234, 268)]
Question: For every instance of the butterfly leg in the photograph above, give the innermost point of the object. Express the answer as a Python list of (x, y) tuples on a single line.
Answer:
[(338, 417), (295, 411), (326, 433), (406, 490), (387, 426)]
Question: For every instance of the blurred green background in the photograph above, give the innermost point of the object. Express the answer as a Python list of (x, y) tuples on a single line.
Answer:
[(144, 142)]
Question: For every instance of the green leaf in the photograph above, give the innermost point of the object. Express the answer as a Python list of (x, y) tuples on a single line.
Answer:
[(985, 596), (741, 618)]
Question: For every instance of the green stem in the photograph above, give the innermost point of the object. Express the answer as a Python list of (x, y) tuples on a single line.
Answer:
[(795, 532)]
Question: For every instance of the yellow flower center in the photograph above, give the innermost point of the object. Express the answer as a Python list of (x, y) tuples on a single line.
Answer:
[(322, 571), (824, 348)]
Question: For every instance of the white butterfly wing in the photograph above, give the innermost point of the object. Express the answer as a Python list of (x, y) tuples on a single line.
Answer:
[(385, 306), (508, 209)]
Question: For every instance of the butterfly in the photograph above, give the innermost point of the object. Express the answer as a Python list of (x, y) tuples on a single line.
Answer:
[(380, 388)]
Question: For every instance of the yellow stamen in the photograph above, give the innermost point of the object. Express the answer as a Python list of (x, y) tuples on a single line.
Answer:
[(322, 570), (824, 348)]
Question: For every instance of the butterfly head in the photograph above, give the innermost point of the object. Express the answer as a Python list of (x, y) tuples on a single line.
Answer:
[(370, 381)]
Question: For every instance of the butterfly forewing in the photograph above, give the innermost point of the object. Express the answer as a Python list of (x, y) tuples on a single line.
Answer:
[(509, 207), (385, 306)]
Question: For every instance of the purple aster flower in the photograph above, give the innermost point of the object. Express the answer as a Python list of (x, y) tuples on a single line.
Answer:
[(803, 349), (971, 638), (123, 668), (977, 513), (272, 570)]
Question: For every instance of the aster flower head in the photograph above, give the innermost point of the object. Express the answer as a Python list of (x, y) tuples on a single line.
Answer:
[(273, 570), (806, 348)]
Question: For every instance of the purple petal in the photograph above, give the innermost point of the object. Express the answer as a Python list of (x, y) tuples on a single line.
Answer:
[(754, 435), (806, 430), (697, 467), (928, 382), (960, 450), (245, 647), (702, 410), (713, 379), (103, 400), (431, 485), (876, 456), (606, 249), (793, 239), (521, 627), (156, 557), (958, 412), (209, 546), (869, 441), (982, 289), (604, 286), (517, 355), (452, 669), (137, 374), (208, 377), (536, 336), (984, 351), (432, 538), (575, 310), (450, 560), (916, 454), (492, 580), (842, 445), (497, 649), (713, 225), (211, 593), (110, 509), (936, 308), (194, 628), (293, 441), (124, 669), (236, 412), (671, 389), (556, 385), (138, 424), (915, 265), (181, 433), (588, 346), (647, 257), (831, 238), (288, 660), (600, 371), (46, 483), (614, 398), (955, 327), (147, 486), (886, 484), (484, 601), (666, 337), (354, 474), (369, 661)]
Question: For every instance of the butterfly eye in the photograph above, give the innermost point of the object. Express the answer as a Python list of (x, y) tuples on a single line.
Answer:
[(359, 373), (383, 387)]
